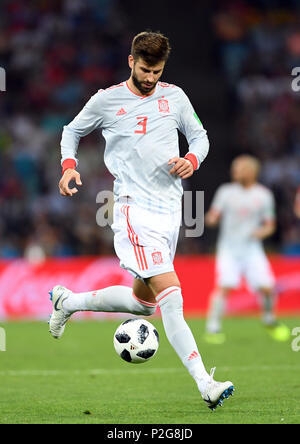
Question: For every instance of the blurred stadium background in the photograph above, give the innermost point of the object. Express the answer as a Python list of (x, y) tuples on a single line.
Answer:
[(233, 58)]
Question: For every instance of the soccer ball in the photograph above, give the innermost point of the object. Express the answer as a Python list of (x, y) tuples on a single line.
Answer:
[(136, 341)]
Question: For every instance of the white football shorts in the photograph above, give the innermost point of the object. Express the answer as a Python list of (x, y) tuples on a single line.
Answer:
[(144, 241), (250, 263)]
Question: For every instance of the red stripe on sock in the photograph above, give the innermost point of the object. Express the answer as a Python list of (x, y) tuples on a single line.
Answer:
[(171, 291), (148, 304)]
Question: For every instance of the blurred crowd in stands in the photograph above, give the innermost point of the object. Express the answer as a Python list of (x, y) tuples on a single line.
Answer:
[(259, 46), (58, 53)]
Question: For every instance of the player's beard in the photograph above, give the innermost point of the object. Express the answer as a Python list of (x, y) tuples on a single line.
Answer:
[(139, 85)]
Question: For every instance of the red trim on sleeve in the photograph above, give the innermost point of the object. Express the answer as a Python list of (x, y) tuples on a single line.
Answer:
[(192, 158), (68, 163)]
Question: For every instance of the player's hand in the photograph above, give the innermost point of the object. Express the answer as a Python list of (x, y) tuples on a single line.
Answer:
[(212, 218), (68, 176), (183, 167), (266, 230)]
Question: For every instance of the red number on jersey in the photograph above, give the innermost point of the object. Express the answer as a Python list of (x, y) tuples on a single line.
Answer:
[(143, 123)]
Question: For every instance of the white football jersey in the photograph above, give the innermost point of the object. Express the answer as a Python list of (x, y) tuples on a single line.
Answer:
[(141, 137), (243, 210)]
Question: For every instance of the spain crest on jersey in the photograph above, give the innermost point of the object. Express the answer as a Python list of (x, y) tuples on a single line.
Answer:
[(157, 258), (163, 106)]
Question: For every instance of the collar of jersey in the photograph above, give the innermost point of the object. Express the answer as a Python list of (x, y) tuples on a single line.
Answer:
[(137, 95)]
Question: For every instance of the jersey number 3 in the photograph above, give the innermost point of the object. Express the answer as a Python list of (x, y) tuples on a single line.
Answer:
[(143, 124)]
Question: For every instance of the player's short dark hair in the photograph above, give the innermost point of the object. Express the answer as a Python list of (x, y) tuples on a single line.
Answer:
[(152, 47)]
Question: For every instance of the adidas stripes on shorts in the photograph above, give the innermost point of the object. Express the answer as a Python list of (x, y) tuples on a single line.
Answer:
[(144, 241)]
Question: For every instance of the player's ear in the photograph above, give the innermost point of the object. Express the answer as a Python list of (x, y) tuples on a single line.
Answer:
[(130, 61)]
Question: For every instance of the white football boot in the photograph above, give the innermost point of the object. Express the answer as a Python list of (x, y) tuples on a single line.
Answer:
[(59, 317), (215, 392)]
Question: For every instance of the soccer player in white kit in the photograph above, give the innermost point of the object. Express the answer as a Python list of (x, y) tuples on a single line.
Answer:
[(139, 119), (246, 213)]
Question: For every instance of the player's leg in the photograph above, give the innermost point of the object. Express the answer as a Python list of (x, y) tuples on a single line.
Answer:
[(167, 290), (267, 297), (261, 279), (215, 315), (228, 275), (216, 309), (117, 298), (277, 330), (137, 300), (142, 291)]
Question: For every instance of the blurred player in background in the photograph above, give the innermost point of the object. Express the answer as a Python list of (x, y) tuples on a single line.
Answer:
[(246, 214), (297, 204), (139, 119)]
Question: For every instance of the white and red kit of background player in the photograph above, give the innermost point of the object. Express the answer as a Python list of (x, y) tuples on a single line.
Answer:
[(141, 135), (239, 253)]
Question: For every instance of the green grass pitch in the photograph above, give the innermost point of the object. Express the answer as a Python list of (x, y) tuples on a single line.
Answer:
[(80, 379)]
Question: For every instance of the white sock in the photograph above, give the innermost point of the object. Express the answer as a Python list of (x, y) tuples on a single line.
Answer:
[(268, 302), (112, 299), (216, 312), (179, 334)]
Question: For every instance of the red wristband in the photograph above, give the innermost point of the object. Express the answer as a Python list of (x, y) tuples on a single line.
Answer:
[(193, 159), (68, 163)]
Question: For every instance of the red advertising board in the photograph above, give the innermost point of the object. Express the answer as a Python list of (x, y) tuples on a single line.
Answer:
[(197, 275), (24, 286)]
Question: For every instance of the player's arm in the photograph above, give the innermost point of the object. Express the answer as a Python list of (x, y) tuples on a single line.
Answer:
[(297, 204), (214, 214), (190, 125), (212, 218), (84, 123), (267, 229), (268, 225)]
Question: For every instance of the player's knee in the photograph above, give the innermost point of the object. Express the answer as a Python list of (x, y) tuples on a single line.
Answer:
[(144, 308), (147, 311), (171, 299)]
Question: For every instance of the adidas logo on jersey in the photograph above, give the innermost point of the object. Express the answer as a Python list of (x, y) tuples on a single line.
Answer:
[(121, 112)]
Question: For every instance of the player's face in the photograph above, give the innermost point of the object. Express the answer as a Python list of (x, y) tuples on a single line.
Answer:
[(145, 77), (243, 172)]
